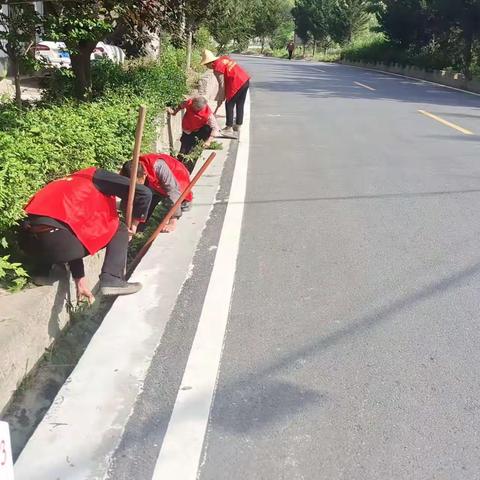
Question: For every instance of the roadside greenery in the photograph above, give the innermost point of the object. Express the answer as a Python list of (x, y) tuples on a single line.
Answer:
[(61, 135), (438, 34), (235, 24), (16, 31)]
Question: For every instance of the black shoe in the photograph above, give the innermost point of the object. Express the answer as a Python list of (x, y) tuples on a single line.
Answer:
[(117, 286), (186, 206)]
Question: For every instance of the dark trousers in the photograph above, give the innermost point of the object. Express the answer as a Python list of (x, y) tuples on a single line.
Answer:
[(62, 246), (290, 53), (189, 141), (156, 199), (236, 102)]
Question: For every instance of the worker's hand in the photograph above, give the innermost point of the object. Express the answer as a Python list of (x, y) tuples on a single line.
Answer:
[(132, 230), (170, 226), (171, 111), (219, 104), (83, 292), (207, 143)]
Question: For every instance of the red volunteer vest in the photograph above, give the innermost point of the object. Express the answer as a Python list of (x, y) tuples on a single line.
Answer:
[(75, 200), (192, 120), (177, 168), (235, 76)]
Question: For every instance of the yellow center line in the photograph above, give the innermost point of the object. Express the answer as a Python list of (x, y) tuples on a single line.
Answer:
[(446, 122), (364, 86)]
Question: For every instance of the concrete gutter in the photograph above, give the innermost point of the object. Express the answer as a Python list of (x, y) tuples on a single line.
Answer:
[(441, 77), (32, 320)]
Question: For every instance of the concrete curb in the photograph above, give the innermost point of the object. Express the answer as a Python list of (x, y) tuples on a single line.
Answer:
[(33, 319), (455, 81)]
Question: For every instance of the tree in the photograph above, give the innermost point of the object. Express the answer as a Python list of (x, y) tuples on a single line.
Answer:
[(230, 20), (302, 21), (347, 19), (451, 27), (81, 26), (283, 34), (17, 37), (313, 20), (459, 19), (406, 23), (269, 16)]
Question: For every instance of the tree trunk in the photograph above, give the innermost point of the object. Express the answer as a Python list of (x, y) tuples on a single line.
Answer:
[(82, 69), (467, 54), (18, 90), (262, 43), (303, 54), (189, 50), (314, 48)]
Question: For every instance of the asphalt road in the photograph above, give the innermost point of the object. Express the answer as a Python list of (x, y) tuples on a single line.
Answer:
[(351, 350), (352, 346)]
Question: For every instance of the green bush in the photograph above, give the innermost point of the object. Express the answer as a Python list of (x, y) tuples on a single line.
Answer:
[(380, 50), (53, 139)]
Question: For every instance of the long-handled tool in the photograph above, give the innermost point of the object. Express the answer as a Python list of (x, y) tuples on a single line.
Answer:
[(169, 215), (136, 153)]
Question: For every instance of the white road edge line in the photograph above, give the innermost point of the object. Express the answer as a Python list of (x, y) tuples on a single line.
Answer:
[(411, 78), (364, 86), (180, 453)]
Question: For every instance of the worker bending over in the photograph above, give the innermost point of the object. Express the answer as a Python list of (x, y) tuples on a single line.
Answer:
[(198, 124), (233, 83), (76, 216), (167, 178)]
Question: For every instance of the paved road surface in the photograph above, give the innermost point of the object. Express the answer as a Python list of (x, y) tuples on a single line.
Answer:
[(352, 349), (352, 345)]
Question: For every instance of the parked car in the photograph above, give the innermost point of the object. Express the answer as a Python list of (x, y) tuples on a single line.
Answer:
[(113, 53), (55, 54), (52, 54)]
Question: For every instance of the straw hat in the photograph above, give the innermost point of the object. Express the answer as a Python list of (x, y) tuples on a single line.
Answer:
[(208, 57)]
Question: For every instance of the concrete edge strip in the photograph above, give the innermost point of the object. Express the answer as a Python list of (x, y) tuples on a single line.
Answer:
[(411, 78), (180, 453)]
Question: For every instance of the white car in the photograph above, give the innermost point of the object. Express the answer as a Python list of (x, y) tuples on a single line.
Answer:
[(52, 54), (113, 53), (55, 54)]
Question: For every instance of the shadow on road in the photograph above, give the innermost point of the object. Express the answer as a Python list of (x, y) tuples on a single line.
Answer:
[(241, 398)]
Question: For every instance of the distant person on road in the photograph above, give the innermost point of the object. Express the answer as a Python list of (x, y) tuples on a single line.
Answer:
[(167, 178), (76, 216), (198, 124), (290, 49), (233, 83)]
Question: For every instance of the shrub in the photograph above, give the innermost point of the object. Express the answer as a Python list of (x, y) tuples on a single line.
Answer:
[(379, 50), (53, 139)]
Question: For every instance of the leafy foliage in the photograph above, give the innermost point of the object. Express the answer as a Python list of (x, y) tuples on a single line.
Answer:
[(17, 36), (49, 141), (325, 21), (229, 20), (270, 16), (447, 29)]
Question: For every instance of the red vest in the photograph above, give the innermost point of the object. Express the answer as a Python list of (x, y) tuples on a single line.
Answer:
[(177, 168), (192, 120), (75, 200), (234, 75)]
